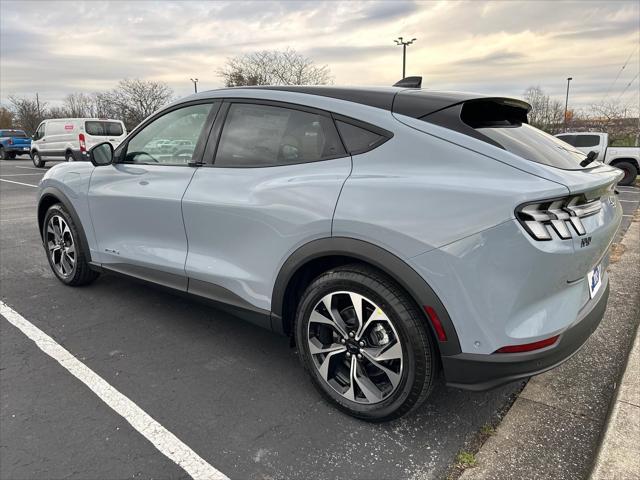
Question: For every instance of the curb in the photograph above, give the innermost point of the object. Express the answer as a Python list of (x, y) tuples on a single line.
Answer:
[(619, 455), (553, 429)]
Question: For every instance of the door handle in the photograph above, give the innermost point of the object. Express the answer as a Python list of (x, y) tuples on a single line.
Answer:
[(143, 182)]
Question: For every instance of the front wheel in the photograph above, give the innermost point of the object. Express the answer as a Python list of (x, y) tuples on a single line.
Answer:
[(37, 159), (3, 154), (61, 241), (630, 172), (365, 343)]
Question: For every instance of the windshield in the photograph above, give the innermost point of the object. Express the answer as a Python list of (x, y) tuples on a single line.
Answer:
[(13, 133), (100, 128), (535, 145)]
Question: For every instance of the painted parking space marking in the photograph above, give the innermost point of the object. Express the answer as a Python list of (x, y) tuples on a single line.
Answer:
[(18, 174), (161, 438), (32, 168), (18, 183)]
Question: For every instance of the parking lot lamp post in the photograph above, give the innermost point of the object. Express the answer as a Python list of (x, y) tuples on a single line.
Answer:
[(400, 41), (195, 84), (566, 103)]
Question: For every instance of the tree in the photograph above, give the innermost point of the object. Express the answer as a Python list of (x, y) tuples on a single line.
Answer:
[(27, 113), (6, 118), (79, 105), (132, 100), (546, 113), (273, 67)]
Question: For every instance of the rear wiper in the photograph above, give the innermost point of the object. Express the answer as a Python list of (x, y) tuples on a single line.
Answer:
[(591, 156)]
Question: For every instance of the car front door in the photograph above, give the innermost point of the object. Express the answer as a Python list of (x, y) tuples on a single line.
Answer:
[(273, 187), (135, 203)]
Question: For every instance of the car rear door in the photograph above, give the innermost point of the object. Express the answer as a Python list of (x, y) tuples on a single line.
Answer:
[(135, 203), (270, 184)]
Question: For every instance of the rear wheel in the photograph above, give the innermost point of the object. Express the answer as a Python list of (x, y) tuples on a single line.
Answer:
[(65, 253), (12, 155), (37, 159), (630, 172), (365, 344), (3, 154), (68, 156)]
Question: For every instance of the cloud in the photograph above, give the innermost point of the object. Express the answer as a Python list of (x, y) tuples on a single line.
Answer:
[(492, 47)]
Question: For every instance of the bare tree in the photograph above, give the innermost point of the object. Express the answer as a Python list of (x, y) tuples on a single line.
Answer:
[(6, 118), (616, 119), (274, 67), (132, 100), (27, 112), (79, 105), (546, 113)]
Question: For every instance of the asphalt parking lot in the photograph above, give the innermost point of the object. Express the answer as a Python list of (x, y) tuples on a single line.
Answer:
[(235, 394)]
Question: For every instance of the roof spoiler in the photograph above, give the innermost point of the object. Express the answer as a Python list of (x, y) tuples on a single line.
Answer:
[(409, 82)]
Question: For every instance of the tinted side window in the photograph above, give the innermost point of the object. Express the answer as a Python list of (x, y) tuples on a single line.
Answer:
[(100, 128), (357, 139), (170, 139), (586, 141), (264, 135)]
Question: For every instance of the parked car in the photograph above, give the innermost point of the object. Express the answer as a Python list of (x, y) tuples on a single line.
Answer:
[(71, 138), (390, 232), (626, 159), (12, 143)]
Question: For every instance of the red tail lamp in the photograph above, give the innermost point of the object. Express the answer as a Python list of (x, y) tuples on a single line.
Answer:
[(527, 347)]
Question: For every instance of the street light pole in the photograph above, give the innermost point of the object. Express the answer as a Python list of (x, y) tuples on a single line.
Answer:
[(195, 84), (400, 41), (566, 103)]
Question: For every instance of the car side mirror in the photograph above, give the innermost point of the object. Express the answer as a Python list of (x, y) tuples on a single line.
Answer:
[(101, 154)]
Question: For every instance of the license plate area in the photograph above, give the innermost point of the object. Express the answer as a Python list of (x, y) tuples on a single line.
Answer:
[(594, 279)]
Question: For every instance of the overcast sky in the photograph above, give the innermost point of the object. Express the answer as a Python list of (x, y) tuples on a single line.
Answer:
[(55, 48)]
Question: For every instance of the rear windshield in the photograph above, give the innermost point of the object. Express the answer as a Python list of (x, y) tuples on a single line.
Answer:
[(535, 145), (586, 141), (505, 125), (104, 129), (13, 133)]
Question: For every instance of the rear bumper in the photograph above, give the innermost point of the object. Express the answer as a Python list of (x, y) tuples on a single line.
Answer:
[(481, 372), (19, 149)]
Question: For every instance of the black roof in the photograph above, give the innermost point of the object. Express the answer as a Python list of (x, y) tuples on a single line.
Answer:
[(412, 102)]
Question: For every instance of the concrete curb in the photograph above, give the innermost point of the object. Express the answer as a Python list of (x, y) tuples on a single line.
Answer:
[(553, 429), (619, 455)]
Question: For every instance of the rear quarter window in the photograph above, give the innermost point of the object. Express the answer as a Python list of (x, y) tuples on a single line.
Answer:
[(357, 139)]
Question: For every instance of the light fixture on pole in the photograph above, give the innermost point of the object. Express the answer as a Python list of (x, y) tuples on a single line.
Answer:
[(566, 103), (400, 41), (195, 84)]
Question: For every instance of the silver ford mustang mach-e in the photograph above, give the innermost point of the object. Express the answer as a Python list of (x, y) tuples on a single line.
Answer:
[(392, 233)]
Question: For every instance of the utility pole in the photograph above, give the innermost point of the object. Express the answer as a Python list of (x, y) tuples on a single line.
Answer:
[(400, 41), (566, 103), (195, 84), (38, 105)]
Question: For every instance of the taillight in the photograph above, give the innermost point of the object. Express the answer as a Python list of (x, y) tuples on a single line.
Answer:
[(527, 347), (560, 215), (10, 142), (83, 145)]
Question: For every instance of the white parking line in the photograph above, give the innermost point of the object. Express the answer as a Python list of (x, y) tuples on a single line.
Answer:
[(161, 438), (628, 201), (32, 168), (19, 174), (18, 183)]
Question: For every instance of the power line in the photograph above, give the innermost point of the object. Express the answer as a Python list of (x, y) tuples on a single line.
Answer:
[(618, 75), (627, 87)]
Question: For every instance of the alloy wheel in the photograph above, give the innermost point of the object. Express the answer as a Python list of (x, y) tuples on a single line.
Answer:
[(60, 244), (355, 347)]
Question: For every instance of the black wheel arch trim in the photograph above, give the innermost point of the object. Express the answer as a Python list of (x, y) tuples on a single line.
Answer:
[(57, 194), (387, 262)]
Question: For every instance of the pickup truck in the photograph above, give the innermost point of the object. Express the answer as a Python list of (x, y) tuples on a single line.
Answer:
[(626, 159), (13, 142)]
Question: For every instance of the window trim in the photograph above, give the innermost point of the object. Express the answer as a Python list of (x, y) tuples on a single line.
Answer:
[(198, 152), (213, 143)]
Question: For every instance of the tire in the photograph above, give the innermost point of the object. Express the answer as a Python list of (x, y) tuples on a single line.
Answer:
[(37, 159), (630, 172), (12, 156), (68, 156), (64, 249), (397, 339), (3, 154)]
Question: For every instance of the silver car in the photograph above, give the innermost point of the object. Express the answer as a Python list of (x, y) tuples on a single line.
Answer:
[(392, 233)]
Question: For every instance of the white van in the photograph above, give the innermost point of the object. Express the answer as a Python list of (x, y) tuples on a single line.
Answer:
[(72, 138)]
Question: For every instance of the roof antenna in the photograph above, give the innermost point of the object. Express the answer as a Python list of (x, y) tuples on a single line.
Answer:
[(409, 82)]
